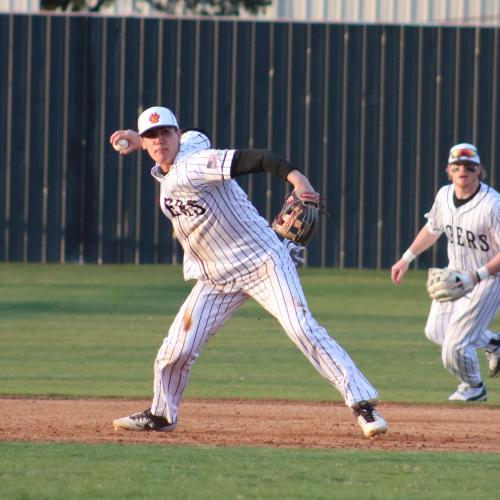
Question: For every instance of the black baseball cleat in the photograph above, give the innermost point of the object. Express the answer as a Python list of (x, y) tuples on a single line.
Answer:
[(370, 421), (144, 421)]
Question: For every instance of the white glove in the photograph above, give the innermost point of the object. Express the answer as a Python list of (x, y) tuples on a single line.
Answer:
[(448, 284), (296, 252)]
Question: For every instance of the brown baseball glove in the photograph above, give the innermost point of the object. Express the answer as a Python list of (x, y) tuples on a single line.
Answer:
[(448, 284), (299, 217)]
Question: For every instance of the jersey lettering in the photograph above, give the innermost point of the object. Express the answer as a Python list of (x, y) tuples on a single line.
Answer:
[(485, 247), (178, 207), (457, 235), (449, 234), (470, 239)]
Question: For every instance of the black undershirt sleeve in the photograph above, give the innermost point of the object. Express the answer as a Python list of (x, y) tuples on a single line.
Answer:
[(248, 161)]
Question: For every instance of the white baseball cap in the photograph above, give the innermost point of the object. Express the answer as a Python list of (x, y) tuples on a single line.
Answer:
[(464, 153), (156, 117)]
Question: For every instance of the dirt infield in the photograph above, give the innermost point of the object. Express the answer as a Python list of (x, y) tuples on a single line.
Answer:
[(295, 424)]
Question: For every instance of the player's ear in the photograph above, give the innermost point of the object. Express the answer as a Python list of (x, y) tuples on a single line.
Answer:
[(143, 144), (447, 171)]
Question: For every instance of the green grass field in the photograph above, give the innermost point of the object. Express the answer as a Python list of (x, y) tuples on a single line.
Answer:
[(62, 471), (73, 331)]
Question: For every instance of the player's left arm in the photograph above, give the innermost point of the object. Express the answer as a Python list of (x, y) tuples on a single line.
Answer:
[(455, 284), (493, 265), (461, 282), (247, 161), (250, 161), (298, 219)]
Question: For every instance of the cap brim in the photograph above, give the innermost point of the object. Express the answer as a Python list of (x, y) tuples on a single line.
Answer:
[(156, 126), (470, 162)]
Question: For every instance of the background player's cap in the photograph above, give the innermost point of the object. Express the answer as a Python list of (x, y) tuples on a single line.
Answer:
[(155, 117), (464, 153)]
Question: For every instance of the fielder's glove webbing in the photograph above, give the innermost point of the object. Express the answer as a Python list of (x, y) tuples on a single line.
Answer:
[(299, 217)]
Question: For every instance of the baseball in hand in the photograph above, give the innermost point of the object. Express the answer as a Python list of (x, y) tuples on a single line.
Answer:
[(121, 144)]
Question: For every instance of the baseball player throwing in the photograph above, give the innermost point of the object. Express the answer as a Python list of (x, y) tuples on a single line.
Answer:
[(466, 296), (233, 254)]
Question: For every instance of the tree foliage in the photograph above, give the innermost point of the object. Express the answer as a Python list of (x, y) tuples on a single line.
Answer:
[(74, 5), (199, 7)]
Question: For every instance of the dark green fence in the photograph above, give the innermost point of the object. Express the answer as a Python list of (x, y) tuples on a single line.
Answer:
[(367, 111)]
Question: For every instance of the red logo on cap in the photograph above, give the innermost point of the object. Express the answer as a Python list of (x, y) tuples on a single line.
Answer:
[(154, 117), (458, 153)]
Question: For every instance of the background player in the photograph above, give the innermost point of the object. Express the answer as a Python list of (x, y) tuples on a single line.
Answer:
[(468, 211), (233, 254)]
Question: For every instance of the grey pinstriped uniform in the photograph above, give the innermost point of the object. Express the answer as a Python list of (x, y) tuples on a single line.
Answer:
[(473, 232), (233, 254)]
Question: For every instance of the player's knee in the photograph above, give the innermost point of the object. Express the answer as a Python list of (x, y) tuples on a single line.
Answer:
[(176, 357)]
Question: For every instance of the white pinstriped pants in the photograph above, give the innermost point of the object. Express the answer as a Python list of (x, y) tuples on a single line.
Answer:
[(276, 286), (460, 327)]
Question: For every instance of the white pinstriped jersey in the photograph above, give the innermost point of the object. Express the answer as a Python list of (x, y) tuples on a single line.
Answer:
[(234, 255), (222, 234), (473, 229)]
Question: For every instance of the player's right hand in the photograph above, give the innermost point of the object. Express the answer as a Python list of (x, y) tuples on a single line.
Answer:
[(398, 270), (133, 138)]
